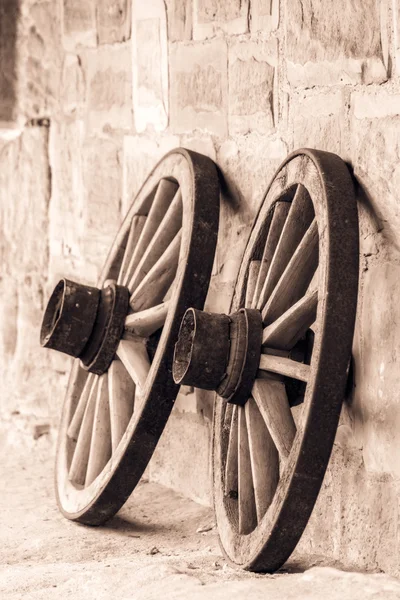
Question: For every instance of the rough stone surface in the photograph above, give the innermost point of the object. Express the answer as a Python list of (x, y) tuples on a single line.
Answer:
[(140, 155), (150, 65), (179, 15), (375, 132), (79, 23), (396, 27), (159, 541), (251, 87), (199, 87), (102, 179), (9, 14), (264, 15), (318, 121), (332, 43), (181, 470), (108, 76), (87, 109), (113, 21), (211, 16)]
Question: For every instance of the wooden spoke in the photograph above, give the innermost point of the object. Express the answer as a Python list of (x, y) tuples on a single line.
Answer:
[(121, 390), (77, 471), (296, 278), (285, 366), (231, 467), (167, 230), (133, 355), (146, 322), (264, 458), (298, 221), (246, 499), (100, 444), (272, 402), (278, 220), (135, 231), (76, 421), (166, 190), (286, 331), (155, 285), (254, 269)]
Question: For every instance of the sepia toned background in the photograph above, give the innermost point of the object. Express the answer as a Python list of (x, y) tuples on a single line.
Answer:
[(93, 93)]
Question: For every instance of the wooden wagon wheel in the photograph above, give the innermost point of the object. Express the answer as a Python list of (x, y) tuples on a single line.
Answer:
[(120, 391), (290, 336)]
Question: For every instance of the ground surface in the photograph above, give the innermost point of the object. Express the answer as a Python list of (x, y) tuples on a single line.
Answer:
[(159, 546)]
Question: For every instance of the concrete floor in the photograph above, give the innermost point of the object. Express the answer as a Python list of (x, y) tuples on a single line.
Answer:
[(154, 548)]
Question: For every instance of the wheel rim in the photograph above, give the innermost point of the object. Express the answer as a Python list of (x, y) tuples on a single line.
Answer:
[(94, 478), (267, 468)]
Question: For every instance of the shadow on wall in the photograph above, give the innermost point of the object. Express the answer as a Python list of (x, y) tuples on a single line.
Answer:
[(372, 396), (9, 17)]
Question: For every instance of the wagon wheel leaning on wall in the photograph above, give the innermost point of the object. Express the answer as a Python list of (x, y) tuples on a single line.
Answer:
[(120, 392), (281, 366)]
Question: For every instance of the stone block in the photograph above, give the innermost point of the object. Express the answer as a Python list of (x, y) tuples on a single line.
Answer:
[(24, 196), (333, 43), (185, 436), (396, 30), (252, 82), (375, 153), (264, 15), (140, 155), (67, 203), (376, 410), (79, 24), (150, 65), (113, 21), (317, 120), (179, 15), (102, 177), (202, 144), (211, 17), (109, 88), (9, 16), (198, 87), (25, 184), (40, 60), (73, 89)]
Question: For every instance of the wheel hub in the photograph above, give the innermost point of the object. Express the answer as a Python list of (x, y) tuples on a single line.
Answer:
[(85, 322), (219, 352)]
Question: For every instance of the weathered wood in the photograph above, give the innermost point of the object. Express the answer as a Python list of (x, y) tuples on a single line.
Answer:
[(135, 231), (246, 499), (197, 178), (166, 191), (231, 466), (285, 366), (121, 391), (167, 230), (77, 470), (270, 397), (76, 421), (100, 444), (254, 269), (155, 285), (304, 453), (264, 459), (298, 221), (133, 355), (146, 322), (281, 211), (296, 278), (286, 331)]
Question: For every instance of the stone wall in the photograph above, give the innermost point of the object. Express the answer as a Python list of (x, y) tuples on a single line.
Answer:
[(93, 93)]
